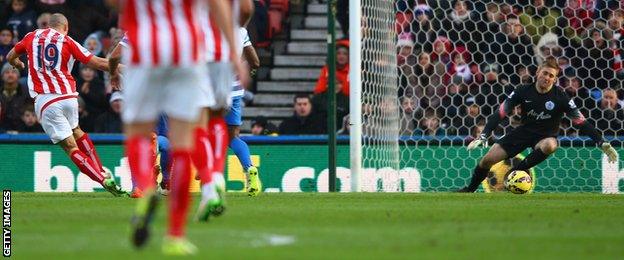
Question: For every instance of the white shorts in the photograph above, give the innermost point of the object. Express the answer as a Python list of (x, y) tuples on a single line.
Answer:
[(58, 115), (148, 92), (221, 79)]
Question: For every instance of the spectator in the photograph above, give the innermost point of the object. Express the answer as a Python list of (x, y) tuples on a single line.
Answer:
[(538, 19), (23, 19), (595, 58), (493, 91), (406, 63), (110, 121), (43, 20), (91, 89), (86, 17), (319, 103), (453, 97), (408, 114), (303, 121), (580, 95), (258, 26), (547, 46), (442, 48), (609, 115), (29, 122), (616, 25), (260, 126), (342, 70), (13, 99), (430, 126), (574, 21), (512, 47), (93, 44), (86, 119), (424, 70), (460, 26), (405, 46), (424, 27), (6, 44), (566, 66), (460, 67), (489, 26), (342, 16)]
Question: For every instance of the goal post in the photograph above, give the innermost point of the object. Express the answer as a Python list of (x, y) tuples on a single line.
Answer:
[(355, 93), (373, 80)]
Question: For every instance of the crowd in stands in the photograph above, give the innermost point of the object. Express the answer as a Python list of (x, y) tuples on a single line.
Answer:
[(458, 60), (95, 26)]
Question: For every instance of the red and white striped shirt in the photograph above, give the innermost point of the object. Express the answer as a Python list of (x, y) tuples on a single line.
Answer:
[(51, 58), (217, 48), (163, 33)]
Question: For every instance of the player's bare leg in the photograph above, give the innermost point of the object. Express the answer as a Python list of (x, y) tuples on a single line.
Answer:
[(88, 166), (541, 151), (493, 156)]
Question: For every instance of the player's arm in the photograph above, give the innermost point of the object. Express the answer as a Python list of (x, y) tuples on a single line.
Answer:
[(579, 121), (494, 120), (114, 60), (98, 63), (250, 55), (13, 59), (85, 57), (19, 49), (246, 11), (220, 10)]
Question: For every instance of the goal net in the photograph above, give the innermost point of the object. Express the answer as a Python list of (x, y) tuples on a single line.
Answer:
[(433, 71)]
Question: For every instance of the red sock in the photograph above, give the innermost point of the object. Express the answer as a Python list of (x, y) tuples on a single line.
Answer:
[(85, 165), (86, 146), (141, 162), (218, 135), (179, 196), (203, 155)]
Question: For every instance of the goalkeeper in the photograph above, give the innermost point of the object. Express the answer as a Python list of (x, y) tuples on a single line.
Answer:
[(543, 105)]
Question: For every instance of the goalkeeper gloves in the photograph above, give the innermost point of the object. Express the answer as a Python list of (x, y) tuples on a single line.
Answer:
[(481, 140), (609, 151)]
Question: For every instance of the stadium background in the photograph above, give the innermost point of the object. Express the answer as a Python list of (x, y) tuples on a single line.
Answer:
[(455, 63)]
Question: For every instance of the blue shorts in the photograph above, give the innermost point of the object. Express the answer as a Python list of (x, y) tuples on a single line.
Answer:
[(234, 116)]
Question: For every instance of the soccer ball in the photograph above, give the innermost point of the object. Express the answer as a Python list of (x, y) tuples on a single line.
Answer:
[(518, 182)]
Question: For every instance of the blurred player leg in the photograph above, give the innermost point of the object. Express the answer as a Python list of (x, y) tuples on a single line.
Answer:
[(164, 148), (213, 183), (180, 176), (240, 148), (183, 112)]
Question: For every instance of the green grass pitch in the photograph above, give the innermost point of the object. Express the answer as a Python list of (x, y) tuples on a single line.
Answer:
[(335, 226)]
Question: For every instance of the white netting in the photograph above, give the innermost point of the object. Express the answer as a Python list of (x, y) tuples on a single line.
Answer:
[(457, 60), (379, 77)]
